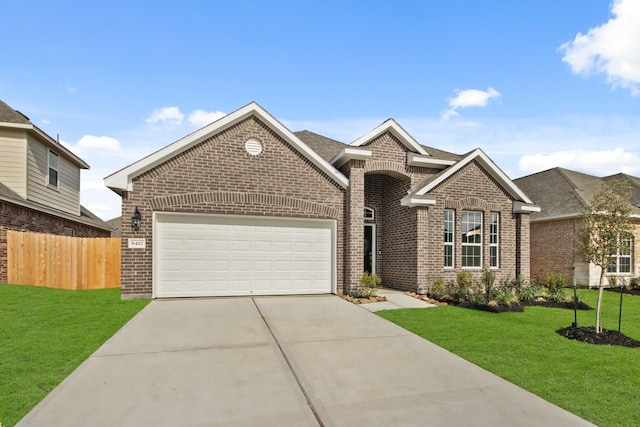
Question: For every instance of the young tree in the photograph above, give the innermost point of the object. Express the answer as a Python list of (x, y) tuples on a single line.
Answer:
[(606, 221)]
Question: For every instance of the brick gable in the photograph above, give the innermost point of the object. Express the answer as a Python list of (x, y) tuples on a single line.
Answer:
[(218, 176)]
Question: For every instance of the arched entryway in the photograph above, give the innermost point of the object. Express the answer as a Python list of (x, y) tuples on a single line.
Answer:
[(389, 230)]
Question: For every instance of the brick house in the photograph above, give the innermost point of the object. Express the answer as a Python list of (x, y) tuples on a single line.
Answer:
[(244, 206), (562, 195), (39, 185)]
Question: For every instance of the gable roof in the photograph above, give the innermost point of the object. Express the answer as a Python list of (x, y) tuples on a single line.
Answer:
[(14, 119), (421, 189), (327, 148), (565, 193), (396, 130), (122, 179), (9, 115)]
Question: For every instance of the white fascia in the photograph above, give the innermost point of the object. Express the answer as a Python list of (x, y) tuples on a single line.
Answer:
[(349, 153), (416, 201), (414, 159), (489, 166), (48, 140), (122, 179), (397, 130), (520, 207)]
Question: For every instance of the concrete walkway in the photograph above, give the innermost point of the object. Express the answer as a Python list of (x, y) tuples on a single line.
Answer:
[(281, 361), (395, 300)]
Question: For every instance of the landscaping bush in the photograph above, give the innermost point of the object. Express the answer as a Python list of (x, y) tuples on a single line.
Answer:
[(368, 285), (465, 288), (556, 282), (634, 283), (438, 288), (530, 291), (489, 278), (507, 298)]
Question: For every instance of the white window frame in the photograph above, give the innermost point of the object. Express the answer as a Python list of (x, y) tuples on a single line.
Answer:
[(464, 223), (369, 214), (494, 240), (449, 216), (615, 259), (50, 168)]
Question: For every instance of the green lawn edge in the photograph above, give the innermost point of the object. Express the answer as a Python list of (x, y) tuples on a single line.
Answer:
[(47, 333), (598, 383)]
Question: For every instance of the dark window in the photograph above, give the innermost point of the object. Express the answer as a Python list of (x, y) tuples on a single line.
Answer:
[(449, 230), (53, 169)]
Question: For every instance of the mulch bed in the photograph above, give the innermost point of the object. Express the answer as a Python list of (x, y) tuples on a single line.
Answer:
[(363, 300), (504, 308), (589, 335), (493, 308), (426, 298), (555, 304)]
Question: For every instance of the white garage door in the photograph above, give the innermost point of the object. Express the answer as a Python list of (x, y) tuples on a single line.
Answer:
[(213, 255)]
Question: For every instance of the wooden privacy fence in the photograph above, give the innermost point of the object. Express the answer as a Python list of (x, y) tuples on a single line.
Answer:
[(63, 262)]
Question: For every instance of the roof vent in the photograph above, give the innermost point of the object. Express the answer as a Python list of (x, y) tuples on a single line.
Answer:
[(253, 146)]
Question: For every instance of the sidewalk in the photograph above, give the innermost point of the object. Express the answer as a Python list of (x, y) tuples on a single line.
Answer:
[(395, 300)]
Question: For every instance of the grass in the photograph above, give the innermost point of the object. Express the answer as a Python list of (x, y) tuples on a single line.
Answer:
[(45, 334), (598, 383)]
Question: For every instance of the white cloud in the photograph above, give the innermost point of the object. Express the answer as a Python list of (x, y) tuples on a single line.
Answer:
[(105, 211), (203, 118), (96, 147), (596, 162), (167, 116), (612, 48), (98, 143), (469, 98), (71, 89)]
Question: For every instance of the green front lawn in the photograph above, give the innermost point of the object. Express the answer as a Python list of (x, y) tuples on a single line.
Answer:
[(45, 334), (598, 383)]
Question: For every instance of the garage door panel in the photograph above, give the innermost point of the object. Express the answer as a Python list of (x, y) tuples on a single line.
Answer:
[(208, 255)]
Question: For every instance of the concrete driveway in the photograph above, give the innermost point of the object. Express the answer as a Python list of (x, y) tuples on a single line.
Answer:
[(281, 361)]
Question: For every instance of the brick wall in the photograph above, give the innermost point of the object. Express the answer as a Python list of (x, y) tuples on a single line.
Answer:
[(553, 248), (396, 238), (471, 188), (219, 177), (14, 217), (354, 225)]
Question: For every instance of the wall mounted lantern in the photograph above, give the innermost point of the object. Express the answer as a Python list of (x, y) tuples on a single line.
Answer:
[(136, 220)]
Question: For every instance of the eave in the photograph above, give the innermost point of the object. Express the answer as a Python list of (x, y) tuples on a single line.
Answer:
[(122, 180)]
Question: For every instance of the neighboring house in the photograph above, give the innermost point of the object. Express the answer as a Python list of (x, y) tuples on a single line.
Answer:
[(116, 224), (39, 185), (244, 206), (563, 195)]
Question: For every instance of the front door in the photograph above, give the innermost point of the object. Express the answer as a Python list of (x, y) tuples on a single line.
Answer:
[(369, 248)]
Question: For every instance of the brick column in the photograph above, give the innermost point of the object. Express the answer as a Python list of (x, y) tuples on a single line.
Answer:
[(523, 246), (422, 249), (354, 247)]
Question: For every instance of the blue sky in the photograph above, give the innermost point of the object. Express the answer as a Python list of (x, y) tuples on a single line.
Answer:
[(535, 84)]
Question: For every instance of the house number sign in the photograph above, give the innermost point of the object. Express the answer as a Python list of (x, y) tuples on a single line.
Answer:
[(137, 243)]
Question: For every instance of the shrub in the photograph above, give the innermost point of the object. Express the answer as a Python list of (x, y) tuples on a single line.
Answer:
[(634, 283), (465, 288), (489, 278), (530, 292), (507, 298), (438, 288), (368, 285), (555, 286)]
